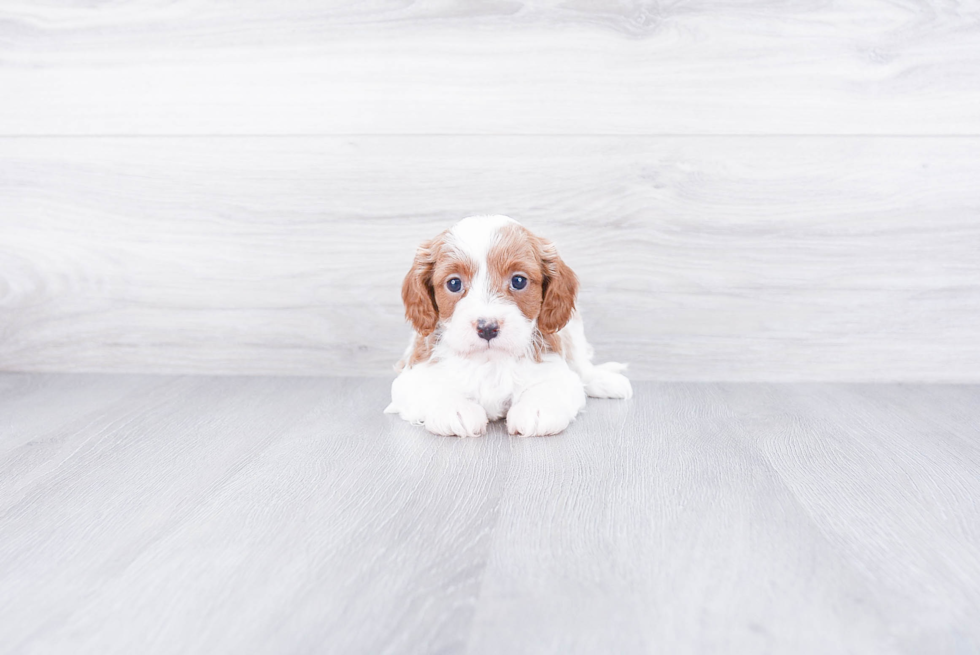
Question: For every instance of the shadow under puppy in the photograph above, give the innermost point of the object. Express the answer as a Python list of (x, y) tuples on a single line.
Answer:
[(496, 334)]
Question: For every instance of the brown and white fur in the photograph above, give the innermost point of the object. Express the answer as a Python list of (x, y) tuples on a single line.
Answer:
[(485, 348)]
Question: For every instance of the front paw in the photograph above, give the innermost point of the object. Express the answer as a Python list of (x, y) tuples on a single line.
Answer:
[(461, 418), (530, 419)]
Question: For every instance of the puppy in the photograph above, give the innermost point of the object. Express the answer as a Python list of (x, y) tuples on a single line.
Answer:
[(496, 334)]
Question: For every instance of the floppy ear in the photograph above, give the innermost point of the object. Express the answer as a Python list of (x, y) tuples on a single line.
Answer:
[(560, 288), (417, 292)]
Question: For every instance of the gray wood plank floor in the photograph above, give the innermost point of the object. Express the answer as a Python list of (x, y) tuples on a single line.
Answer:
[(285, 515)]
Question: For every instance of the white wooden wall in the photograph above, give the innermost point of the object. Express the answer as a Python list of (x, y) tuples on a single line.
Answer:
[(757, 191)]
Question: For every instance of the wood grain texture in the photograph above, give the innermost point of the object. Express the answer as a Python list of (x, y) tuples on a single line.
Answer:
[(495, 67), (271, 515), (712, 258)]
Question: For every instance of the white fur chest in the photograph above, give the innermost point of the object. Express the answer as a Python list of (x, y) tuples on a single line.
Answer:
[(489, 381)]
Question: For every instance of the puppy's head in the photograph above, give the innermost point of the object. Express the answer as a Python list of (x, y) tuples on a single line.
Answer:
[(487, 285)]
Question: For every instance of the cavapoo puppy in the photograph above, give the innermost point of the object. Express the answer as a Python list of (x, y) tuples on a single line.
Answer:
[(496, 334)]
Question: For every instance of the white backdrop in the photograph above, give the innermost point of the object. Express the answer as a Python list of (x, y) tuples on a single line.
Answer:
[(760, 192)]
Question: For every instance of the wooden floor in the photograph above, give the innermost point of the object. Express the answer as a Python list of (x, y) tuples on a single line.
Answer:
[(143, 514)]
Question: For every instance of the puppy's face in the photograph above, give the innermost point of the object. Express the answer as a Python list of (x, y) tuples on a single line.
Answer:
[(489, 286)]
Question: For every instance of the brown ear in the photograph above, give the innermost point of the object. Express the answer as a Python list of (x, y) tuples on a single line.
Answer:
[(560, 288), (417, 292)]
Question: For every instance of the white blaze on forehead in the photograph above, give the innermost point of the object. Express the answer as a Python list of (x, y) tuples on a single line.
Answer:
[(474, 237)]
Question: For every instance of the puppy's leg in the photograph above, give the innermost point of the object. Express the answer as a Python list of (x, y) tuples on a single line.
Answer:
[(602, 380), (552, 397), (423, 396)]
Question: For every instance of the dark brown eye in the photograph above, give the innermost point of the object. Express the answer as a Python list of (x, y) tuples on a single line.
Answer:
[(454, 284), (518, 282)]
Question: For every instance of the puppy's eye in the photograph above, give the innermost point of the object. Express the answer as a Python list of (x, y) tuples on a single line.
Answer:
[(518, 282), (454, 284)]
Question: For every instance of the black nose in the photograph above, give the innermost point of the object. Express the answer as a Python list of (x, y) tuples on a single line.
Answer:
[(487, 330)]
